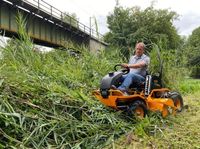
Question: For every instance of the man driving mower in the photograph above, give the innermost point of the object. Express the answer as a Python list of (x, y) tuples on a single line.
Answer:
[(138, 64), (146, 91)]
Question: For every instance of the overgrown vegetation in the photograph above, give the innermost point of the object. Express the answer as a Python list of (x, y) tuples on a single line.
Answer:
[(46, 100), (170, 64)]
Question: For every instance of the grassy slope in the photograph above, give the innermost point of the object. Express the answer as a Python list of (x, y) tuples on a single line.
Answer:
[(46, 101), (180, 131)]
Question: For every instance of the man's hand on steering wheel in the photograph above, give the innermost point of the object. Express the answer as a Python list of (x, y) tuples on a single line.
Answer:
[(125, 69), (124, 65)]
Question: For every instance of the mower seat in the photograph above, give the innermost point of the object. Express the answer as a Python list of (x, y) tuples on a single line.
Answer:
[(151, 82)]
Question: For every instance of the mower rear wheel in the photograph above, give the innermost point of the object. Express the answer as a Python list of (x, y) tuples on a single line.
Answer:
[(178, 101), (138, 109)]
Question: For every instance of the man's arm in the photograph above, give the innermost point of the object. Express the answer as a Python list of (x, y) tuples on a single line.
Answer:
[(137, 65), (145, 62)]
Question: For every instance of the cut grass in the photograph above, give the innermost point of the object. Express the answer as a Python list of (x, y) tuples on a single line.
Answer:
[(179, 131)]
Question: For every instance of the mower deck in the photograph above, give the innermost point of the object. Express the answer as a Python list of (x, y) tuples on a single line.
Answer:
[(154, 101)]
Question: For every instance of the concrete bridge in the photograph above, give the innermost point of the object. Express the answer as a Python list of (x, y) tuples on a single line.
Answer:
[(47, 25)]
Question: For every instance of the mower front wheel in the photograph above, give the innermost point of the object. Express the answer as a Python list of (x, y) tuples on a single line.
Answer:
[(138, 109), (178, 101)]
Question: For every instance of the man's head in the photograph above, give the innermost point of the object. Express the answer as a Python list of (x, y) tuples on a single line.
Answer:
[(139, 49)]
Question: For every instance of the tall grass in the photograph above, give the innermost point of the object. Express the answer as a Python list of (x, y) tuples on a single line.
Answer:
[(190, 86), (171, 65), (46, 101)]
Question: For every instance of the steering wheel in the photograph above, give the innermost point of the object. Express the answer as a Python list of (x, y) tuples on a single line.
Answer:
[(125, 70)]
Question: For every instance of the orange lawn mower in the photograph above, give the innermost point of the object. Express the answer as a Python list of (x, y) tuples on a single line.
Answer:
[(141, 98)]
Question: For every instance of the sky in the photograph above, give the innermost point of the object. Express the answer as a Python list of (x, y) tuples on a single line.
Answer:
[(100, 9)]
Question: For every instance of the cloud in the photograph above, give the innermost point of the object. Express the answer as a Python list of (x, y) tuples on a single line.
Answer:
[(187, 23), (102, 23)]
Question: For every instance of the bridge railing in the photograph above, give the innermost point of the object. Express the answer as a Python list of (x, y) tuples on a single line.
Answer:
[(64, 17)]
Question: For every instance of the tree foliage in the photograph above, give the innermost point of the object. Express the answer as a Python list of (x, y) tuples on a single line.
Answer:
[(193, 48), (130, 25)]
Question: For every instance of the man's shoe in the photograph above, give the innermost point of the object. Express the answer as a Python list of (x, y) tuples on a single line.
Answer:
[(113, 87)]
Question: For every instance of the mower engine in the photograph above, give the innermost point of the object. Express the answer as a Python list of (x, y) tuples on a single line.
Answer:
[(112, 78)]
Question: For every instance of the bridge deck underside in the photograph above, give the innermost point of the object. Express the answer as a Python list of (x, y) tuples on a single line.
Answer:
[(41, 29)]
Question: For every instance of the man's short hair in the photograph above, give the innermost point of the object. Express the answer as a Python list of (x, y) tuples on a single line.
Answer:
[(141, 44)]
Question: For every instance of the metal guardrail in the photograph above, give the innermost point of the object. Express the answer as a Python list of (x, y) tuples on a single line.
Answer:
[(56, 13)]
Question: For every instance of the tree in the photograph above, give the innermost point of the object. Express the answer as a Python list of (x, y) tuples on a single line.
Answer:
[(130, 25), (193, 48)]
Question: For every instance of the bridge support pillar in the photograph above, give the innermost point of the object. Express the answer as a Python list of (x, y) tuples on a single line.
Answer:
[(96, 46)]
